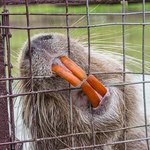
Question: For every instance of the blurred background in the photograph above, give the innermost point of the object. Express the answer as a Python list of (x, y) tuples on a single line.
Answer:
[(106, 33)]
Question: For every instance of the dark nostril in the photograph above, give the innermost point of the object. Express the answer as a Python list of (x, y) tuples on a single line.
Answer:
[(46, 37)]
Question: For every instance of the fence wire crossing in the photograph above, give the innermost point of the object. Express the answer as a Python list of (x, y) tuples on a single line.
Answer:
[(9, 139)]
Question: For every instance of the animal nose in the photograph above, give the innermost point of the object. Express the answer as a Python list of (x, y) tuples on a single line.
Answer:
[(72, 73)]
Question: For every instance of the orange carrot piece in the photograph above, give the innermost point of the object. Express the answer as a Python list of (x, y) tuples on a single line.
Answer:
[(97, 85), (68, 76), (73, 67), (90, 92)]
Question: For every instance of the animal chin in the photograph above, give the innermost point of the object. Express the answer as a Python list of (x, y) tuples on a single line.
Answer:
[(71, 72)]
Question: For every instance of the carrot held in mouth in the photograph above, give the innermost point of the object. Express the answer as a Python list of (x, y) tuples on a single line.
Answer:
[(63, 73), (97, 85), (91, 94), (73, 67), (72, 73)]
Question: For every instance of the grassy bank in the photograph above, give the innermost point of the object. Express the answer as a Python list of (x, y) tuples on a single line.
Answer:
[(98, 8)]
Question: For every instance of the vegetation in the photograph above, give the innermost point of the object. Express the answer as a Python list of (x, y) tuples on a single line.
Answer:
[(95, 8)]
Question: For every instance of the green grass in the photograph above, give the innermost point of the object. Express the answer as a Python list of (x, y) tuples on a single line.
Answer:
[(35, 8), (96, 8), (138, 7)]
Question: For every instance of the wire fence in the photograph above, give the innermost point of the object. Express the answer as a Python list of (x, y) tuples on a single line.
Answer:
[(13, 2), (8, 127)]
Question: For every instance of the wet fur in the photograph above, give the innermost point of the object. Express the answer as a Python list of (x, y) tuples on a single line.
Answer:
[(52, 109)]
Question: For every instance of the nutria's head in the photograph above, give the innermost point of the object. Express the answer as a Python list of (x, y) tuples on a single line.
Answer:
[(45, 51)]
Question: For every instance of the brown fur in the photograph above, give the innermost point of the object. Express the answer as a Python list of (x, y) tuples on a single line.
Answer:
[(119, 109)]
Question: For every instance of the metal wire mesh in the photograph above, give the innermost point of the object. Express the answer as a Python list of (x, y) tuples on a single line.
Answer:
[(8, 138)]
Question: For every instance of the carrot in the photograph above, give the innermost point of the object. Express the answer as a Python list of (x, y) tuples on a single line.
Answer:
[(73, 67), (90, 92), (97, 85), (68, 76)]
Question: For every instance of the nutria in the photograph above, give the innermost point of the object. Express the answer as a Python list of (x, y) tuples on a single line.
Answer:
[(52, 109)]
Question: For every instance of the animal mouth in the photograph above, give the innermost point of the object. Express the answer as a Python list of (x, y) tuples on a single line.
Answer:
[(71, 72)]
